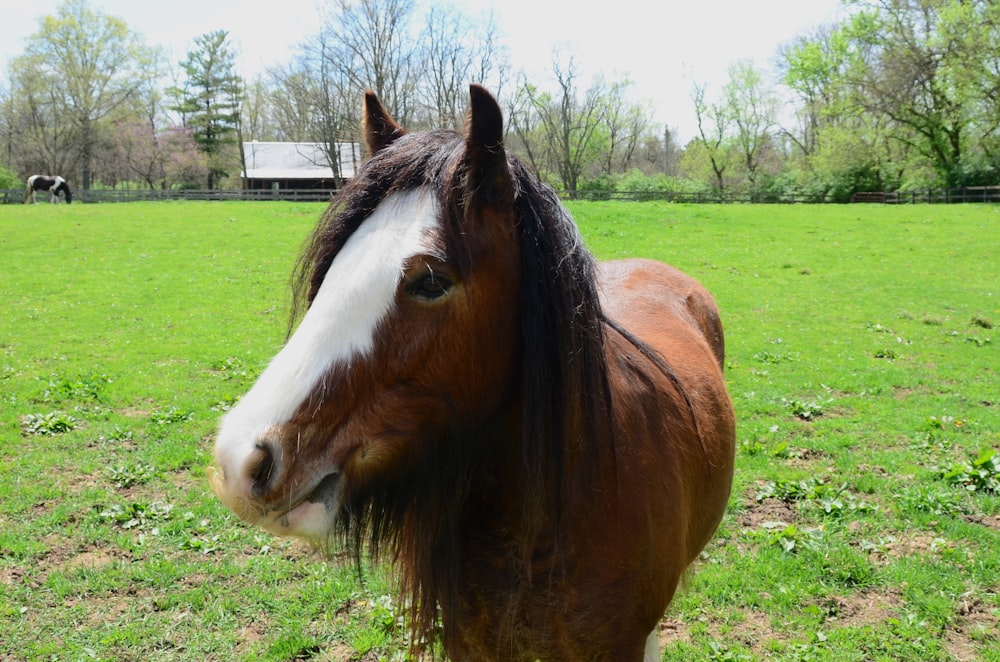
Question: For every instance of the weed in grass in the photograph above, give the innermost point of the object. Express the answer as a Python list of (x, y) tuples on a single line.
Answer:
[(169, 416), (805, 409), (758, 445), (751, 447), (88, 386), (785, 451), (935, 423), (92, 412), (201, 544), (816, 494), (52, 423), (225, 404), (232, 368), (923, 499), (794, 490), (979, 473), (978, 341), (125, 476), (143, 516), (722, 652), (878, 328), (787, 537), (118, 434), (768, 357), (931, 444)]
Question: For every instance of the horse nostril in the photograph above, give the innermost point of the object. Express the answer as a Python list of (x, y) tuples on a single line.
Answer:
[(260, 468)]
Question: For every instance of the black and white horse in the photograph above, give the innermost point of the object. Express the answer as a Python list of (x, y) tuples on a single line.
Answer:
[(54, 185)]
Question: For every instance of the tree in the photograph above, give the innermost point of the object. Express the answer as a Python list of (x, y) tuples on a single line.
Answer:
[(334, 113), (841, 147), (292, 99), (38, 122), (456, 50), (257, 122), (210, 100), (752, 105), (559, 130), (184, 165), (310, 100), (623, 125), (713, 135), (367, 45), (814, 67), (914, 78), (80, 70)]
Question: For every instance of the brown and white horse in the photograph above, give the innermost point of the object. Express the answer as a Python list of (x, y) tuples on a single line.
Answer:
[(54, 185), (540, 444)]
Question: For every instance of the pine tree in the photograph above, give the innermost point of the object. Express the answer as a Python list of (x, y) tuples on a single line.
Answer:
[(209, 101)]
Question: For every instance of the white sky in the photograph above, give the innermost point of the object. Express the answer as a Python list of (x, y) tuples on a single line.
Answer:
[(661, 48)]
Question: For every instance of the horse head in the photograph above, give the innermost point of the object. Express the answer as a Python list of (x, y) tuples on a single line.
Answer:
[(63, 187), (409, 343)]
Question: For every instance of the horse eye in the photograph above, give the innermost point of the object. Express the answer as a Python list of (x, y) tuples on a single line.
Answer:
[(430, 286)]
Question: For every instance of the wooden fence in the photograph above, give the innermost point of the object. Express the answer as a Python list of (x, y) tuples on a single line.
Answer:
[(8, 196), (932, 196), (944, 196)]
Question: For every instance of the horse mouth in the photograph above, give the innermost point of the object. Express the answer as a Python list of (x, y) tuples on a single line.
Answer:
[(326, 492), (309, 516)]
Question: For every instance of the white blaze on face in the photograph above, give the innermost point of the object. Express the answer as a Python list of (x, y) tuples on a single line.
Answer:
[(357, 292)]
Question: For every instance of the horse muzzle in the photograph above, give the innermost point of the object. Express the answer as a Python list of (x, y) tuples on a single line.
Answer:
[(309, 514)]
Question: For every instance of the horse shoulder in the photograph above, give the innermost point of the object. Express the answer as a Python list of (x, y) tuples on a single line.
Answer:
[(656, 302), (677, 318)]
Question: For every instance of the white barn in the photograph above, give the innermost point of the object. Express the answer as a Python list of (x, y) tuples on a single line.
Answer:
[(297, 165)]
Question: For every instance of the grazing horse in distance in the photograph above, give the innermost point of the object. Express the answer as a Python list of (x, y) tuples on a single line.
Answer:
[(54, 185), (540, 444)]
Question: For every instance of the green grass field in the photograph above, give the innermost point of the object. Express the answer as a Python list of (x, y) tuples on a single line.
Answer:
[(862, 356)]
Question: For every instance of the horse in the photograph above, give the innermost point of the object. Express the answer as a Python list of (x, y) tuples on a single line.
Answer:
[(54, 185), (539, 443)]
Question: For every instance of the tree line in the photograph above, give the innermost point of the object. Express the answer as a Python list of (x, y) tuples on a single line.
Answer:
[(897, 95)]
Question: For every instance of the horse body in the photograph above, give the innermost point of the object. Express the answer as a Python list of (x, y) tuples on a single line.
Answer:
[(645, 514), (649, 504), (541, 444), (54, 185)]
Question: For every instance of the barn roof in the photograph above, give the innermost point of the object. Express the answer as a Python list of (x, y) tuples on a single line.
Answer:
[(281, 160)]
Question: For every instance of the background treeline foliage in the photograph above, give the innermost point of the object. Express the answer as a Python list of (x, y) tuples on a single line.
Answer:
[(899, 95)]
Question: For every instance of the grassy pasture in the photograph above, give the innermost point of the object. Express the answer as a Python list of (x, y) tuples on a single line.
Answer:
[(863, 358)]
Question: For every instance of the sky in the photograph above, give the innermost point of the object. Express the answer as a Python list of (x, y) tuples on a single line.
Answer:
[(664, 51)]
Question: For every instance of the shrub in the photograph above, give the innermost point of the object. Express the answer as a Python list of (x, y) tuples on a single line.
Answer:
[(8, 179)]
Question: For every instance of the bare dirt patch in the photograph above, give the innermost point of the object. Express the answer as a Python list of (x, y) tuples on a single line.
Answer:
[(65, 558), (757, 513), (756, 630), (753, 631), (989, 521), (861, 609), (918, 543), (976, 621)]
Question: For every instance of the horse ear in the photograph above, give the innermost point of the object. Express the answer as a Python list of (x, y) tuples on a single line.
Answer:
[(488, 172), (380, 129)]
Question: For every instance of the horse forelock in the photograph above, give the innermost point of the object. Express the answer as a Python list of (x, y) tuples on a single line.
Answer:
[(412, 161)]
